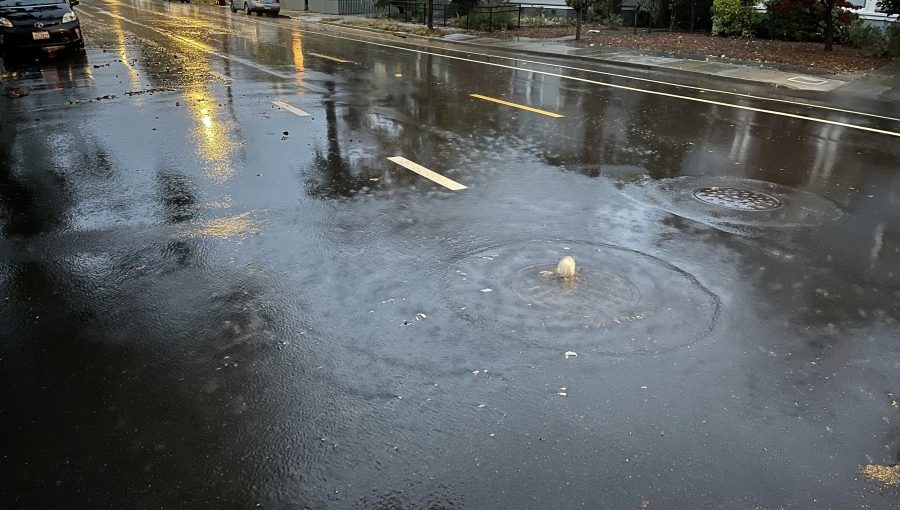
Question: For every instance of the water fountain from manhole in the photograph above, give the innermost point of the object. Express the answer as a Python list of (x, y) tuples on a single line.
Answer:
[(619, 302)]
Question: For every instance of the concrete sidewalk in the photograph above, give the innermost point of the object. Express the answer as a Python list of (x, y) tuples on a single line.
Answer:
[(882, 84)]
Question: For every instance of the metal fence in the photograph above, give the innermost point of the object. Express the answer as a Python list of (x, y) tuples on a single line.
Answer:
[(488, 18)]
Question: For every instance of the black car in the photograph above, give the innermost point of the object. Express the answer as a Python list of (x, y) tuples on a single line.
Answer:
[(39, 24)]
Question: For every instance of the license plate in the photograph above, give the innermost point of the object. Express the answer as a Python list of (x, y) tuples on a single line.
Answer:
[(40, 36)]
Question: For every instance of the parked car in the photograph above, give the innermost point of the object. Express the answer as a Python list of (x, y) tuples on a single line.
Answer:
[(39, 24), (260, 7)]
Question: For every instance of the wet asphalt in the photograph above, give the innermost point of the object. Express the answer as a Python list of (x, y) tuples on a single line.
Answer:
[(211, 302)]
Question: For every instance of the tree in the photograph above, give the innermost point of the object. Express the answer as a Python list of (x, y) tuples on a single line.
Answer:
[(889, 6), (829, 14), (580, 6), (643, 6)]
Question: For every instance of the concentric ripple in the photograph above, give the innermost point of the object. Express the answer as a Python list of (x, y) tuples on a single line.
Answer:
[(621, 302), (731, 202)]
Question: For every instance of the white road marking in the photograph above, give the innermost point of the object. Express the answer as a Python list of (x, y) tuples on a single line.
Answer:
[(426, 173), (637, 78), (634, 89), (326, 57), (292, 109), (624, 87)]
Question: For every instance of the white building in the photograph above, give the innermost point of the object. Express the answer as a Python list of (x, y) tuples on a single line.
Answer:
[(869, 13)]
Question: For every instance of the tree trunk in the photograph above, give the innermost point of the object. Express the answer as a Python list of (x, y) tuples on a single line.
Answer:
[(829, 25), (692, 16), (578, 23), (430, 14), (636, 11)]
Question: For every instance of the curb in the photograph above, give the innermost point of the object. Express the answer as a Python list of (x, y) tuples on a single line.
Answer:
[(580, 58)]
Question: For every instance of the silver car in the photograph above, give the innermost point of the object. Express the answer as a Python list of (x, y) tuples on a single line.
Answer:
[(270, 7)]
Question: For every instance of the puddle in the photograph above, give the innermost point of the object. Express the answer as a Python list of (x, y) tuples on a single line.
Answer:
[(729, 203), (621, 302)]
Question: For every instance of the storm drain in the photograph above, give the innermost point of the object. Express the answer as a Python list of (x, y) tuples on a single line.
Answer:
[(737, 198)]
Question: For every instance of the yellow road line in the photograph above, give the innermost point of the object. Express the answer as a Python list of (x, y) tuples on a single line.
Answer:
[(519, 106), (292, 109), (326, 57), (578, 79), (426, 173)]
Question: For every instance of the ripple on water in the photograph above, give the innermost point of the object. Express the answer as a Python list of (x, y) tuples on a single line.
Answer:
[(622, 301), (730, 203)]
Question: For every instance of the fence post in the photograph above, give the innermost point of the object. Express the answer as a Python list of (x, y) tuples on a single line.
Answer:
[(519, 23), (491, 19)]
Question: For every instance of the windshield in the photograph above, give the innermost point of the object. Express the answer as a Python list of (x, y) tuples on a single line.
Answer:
[(29, 3)]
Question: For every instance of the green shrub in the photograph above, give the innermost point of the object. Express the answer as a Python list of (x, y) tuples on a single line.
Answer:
[(487, 19), (871, 40), (731, 17), (843, 22), (804, 21), (893, 39), (614, 22), (759, 25), (794, 20), (545, 21)]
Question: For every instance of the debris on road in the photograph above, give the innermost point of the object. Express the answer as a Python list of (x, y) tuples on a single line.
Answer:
[(421, 316), (486, 290), (889, 476), (16, 93), (570, 354), (148, 91), (563, 392)]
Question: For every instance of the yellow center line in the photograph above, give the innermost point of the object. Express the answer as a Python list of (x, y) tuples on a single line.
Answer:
[(326, 57), (426, 173), (519, 106)]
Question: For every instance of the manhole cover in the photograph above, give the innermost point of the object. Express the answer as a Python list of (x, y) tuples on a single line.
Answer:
[(737, 198), (742, 205), (622, 301)]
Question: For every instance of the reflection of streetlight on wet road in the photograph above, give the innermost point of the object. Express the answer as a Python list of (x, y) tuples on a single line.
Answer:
[(213, 135)]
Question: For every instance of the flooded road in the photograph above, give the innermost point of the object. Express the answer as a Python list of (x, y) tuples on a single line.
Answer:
[(218, 291)]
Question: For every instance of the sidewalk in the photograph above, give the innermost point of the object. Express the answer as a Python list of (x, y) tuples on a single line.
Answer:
[(881, 85)]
